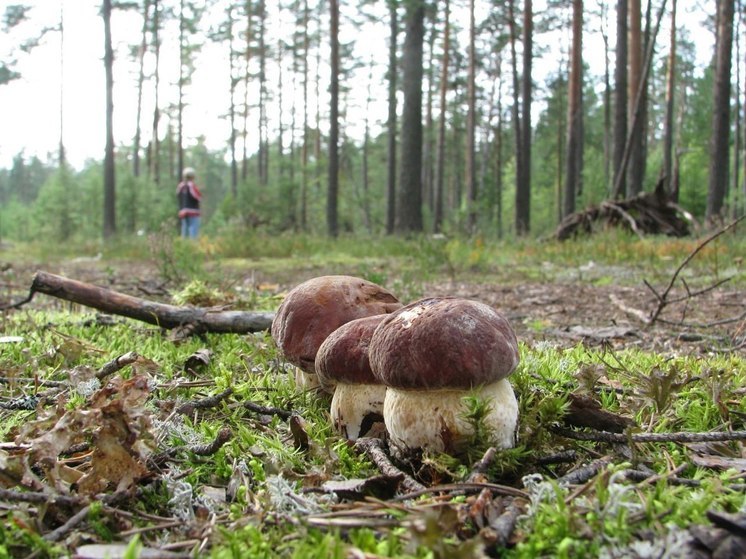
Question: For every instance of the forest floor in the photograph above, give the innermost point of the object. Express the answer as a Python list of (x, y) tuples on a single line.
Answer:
[(595, 365), (592, 304)]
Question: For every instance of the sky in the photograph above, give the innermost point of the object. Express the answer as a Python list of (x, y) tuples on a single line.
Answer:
[(30, 106)]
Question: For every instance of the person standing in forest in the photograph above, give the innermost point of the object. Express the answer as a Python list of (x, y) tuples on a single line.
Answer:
[(189, 198)]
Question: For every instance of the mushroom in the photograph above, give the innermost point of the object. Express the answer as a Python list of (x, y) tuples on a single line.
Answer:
[(342, 365), (315, 308), (431, 354)]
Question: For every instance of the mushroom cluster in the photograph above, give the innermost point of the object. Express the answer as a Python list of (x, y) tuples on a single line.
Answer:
[(316, 308), (431, 354), (411, 366)]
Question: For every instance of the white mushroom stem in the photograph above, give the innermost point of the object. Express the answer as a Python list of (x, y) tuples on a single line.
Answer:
[(306, 382), (351, 403), (434, 419)]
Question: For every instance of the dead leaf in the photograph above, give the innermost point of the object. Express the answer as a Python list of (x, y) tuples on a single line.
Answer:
[(197, 360), (119, 551), (298, 429), (380, 487), (585, 411)]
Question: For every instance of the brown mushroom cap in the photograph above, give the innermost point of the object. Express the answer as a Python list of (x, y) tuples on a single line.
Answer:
[(315, 308), (443, 342), (343, 356)]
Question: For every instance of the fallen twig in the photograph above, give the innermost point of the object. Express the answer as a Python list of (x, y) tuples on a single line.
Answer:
[(677, 437), (480, 468), (223, 436), (584, 473), (264, 410), (505, 524), (373, 448), (188, 408), (117, 364), (466, 488), (60, 532)]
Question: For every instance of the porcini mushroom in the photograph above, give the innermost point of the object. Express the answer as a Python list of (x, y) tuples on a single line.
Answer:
[(342, 364), (431, 354), (315, 308)]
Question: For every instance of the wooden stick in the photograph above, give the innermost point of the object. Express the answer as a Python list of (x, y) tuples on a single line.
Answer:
[(159, 314)]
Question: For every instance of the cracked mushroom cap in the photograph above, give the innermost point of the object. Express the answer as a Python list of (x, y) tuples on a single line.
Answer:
[(343, 356), (443, 342), (315, 308)]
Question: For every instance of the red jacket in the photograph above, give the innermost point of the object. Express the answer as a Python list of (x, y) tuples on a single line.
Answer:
[(189, 197)]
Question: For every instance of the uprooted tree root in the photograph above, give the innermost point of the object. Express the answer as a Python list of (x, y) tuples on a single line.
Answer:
[(650, 213)]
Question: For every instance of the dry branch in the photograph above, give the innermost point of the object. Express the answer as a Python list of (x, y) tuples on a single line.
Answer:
[(159, 314), (373, 448), (677, 437)]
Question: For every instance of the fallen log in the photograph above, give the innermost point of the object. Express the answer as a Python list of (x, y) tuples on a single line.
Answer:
[(159, 314)]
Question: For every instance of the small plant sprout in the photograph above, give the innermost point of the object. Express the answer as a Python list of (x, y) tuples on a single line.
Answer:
[(315, 308), (430, 355), (343, 366)]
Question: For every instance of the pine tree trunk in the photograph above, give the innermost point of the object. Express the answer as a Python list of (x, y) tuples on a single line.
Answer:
[(333, 187), (516, 111), (470, 176), (61, 147), (140, 82), (304, 146), (428, 191), (180, 104), (246, 80), (391, 122), (155, 148), (667, 169), (110, 226), (441, 142), (263, 128), (232, 108), (620, 101), (409, 216), (635, 167), (720, 138), (607, 99), (523, 192), (574, 112)]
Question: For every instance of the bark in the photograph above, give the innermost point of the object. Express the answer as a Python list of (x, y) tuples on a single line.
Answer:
[(61, 148), (620, 101), (110, 226), (232, 108), (635, 168), (499, 164), (607, 96), (470, 175), (180, 103), (428, 191), (333, 186), (158, 314), (523, 192), (574, 112), (140, 81), (392, 118), (516, 100), (304, 146), (409, 215), (441, 144), (666, 171), (263, 158), (720, 138), (155, 148), (247, 65)]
